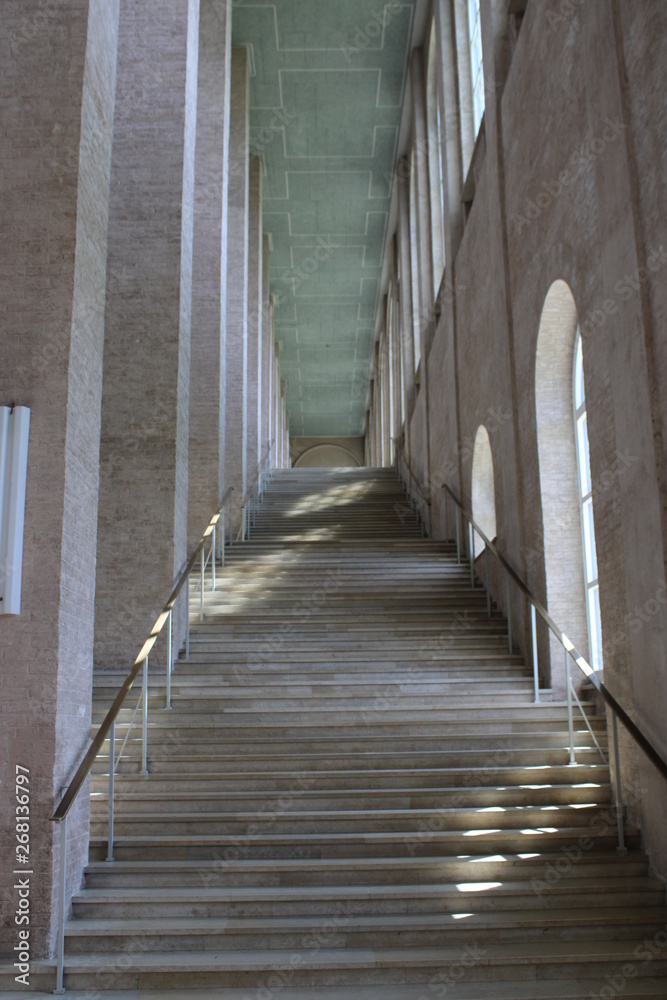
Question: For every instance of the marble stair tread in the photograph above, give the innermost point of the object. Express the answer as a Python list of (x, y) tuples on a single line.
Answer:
[(573, 953), (633, 861), (582, 989), (461, 891), (414, 922)]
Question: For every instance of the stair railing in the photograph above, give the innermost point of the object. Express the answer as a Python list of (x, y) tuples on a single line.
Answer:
[(198, 562), (418, 498), (255, 494), (571, 653)]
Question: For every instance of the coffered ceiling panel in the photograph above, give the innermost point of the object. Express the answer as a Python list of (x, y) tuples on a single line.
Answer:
[(327, 86)]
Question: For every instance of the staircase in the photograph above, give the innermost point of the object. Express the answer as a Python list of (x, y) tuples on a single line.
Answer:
[(354, 795)]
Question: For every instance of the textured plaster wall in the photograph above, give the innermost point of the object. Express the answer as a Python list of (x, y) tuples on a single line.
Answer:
[(330, 451), (571, 187), (56, 128)]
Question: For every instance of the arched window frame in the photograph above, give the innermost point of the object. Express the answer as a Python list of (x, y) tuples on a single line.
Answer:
[(585, 488), (414, 261), (437, 204), (476, 63)]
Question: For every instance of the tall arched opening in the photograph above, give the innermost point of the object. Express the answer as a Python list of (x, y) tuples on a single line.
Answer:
[(559, 487), (483, 488)]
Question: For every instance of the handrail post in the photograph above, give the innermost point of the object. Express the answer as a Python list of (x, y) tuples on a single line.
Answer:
[(570, 720), (213, 560), (203, 575), (488, 585), (457, 514), (112, 775), (60, 948), (618, 790), (231, 521), (144, 721), (536, 673), (471, 546), (169, 659), (222, 536), (187, 618), (508, 599), (446, 516)]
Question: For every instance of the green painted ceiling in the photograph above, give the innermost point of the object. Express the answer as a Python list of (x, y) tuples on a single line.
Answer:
[(326, 93)]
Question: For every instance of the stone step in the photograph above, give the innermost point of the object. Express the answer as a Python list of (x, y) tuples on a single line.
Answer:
[(179, 761), (167, 741), (245, 685), (161, 847), (349, 821), (319, 966), (370, 900), (557, 989), (546, 869), (185, 800), (291, 723), (217, 783), (351, 931)]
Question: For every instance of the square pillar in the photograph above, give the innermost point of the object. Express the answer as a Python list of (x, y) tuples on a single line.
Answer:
[(255, 318), (206, 459), (144, 451), (277, 413), (264, 415), (236, 424), (56, 117)]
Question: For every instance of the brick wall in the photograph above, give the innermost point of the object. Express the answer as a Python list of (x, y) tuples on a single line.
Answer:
[(143, 457), (59, 72)]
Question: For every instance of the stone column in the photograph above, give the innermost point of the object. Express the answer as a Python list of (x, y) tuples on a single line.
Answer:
[(144, 450), (236, 428), (267, 354), (405, 297), (255, 319), (423, 251), (206, 460), (56, 117), (372, 451), (284, 453), (287, 462), (277, 422)]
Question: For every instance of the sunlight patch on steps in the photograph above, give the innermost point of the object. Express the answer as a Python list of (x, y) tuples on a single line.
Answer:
[(337, 496), (477, 886)]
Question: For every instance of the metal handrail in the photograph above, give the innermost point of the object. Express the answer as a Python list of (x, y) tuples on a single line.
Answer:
[(108, 726), (424, 495), (253, 496), (571, 654), (413, 480)]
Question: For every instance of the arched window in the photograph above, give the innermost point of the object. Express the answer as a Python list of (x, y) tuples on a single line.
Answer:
[(437, 206), (483, 489), (414, 261), (476, 64), (559, 478), (586, 506)]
